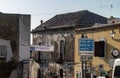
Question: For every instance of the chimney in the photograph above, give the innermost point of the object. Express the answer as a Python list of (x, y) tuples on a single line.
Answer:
[(41, 22)]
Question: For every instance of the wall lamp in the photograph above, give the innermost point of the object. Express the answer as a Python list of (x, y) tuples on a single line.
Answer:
[(112, 33)]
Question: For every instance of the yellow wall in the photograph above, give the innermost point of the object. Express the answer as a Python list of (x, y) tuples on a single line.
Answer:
[(96, 34), (77, 68)]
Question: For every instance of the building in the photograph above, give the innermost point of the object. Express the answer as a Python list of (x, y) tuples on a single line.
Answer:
[(14, 41), (59, 31), (107, 45)]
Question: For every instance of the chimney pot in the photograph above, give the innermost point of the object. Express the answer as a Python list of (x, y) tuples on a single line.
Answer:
[(41, 22)]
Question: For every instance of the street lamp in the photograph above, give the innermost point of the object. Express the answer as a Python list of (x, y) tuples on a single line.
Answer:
[(112, 33)]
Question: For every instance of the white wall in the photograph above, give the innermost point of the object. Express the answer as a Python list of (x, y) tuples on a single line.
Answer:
[(24, 37)]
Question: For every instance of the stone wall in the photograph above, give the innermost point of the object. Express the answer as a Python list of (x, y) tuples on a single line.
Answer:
[(54, 38)]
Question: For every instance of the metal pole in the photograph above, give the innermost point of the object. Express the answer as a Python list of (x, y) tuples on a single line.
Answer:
[(30, 54), (39, 60), (85, 68), (82, 69)]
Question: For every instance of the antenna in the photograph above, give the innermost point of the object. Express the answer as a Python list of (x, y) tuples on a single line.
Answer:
[(111, 6)]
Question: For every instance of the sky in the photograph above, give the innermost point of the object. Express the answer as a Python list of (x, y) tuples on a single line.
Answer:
[(46, 9)]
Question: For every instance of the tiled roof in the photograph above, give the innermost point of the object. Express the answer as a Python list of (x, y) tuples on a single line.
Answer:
[(81, 19)]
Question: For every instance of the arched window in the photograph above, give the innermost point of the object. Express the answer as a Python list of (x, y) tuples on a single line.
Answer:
[(62, 49)]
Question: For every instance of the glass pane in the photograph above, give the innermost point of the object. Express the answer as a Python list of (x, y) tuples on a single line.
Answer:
[(117, 71), (3, 51)]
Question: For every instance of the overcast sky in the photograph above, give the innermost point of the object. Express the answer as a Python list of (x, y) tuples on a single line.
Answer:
[(46, 9)]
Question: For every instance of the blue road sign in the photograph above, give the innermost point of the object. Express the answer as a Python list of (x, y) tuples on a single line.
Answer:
[(32, 48), (86, 45)]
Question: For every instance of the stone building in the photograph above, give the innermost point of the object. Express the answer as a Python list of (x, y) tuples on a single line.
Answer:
[(59, 31), (14, 41)]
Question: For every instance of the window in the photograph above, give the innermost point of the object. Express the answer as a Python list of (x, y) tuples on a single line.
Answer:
[(3, 52), (117, 72), (100, 48), (62, 49)]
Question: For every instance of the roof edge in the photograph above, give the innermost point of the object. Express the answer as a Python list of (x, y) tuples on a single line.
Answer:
[(98, 26), (54, 27)]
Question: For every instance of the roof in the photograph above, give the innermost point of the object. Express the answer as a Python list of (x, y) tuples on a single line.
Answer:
[(81, 19), (99, 26)]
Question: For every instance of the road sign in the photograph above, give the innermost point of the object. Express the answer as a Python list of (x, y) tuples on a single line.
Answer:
[(86, 52), (86, 46), (42, 48)]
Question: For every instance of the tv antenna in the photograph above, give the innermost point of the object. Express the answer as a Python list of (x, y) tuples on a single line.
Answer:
[(111, 6)]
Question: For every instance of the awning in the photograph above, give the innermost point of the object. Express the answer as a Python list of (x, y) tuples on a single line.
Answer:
[(97, 61)]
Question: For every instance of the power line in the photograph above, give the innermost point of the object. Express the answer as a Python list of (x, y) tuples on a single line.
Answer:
[(38, 14)]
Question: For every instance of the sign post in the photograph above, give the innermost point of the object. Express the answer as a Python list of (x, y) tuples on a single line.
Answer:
[(86, 52)]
